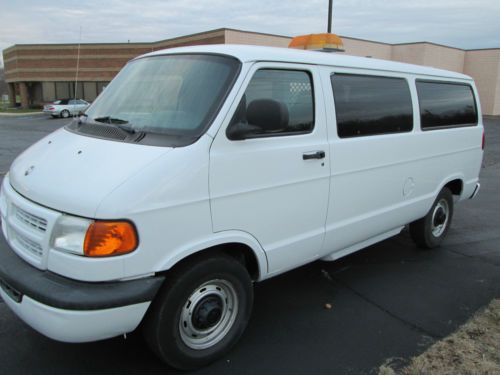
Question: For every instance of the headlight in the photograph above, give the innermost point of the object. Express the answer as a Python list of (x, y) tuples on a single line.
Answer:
[(69, 234), (94, 238)]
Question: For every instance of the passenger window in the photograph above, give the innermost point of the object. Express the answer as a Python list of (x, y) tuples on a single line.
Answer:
[(276, 102), (371, 105), (446, 104)]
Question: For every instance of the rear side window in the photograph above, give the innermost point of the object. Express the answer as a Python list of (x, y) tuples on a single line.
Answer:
[(371, 105), (445, 104), (276, 102)]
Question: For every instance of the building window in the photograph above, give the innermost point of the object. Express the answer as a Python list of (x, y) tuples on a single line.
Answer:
[(63, 90)]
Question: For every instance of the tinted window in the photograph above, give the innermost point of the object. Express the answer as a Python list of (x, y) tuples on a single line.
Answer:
[(276, 102), (369, 105), (446, 104)]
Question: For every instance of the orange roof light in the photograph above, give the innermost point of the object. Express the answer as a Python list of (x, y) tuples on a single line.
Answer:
[(323, 41), (109, 238)]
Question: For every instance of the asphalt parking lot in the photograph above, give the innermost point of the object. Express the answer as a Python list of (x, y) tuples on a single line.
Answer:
[(388, 301)]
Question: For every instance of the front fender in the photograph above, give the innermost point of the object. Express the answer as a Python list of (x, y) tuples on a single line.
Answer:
[(219, 238)]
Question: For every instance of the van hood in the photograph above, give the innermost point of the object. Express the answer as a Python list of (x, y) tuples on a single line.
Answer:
[(73, 173)]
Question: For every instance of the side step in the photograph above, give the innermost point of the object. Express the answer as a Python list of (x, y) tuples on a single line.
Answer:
[(361, 245)]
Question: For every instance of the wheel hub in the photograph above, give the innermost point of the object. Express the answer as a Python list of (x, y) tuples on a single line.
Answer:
[(440, 217), (207, 312)]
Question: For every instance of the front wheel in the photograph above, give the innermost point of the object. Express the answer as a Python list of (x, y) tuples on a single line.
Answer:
[(431, 230), (200, 313)]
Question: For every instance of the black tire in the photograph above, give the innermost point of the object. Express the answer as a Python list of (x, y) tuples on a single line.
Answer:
[(65, 113), (430, 231), (172, 340)]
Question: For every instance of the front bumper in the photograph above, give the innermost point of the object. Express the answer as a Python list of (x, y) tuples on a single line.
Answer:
[(69, 310)]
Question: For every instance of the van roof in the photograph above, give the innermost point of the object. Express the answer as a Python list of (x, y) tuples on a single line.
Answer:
[(246, 53)]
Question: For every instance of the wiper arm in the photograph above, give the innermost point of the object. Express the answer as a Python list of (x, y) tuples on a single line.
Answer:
[(119, 123), (110, 120)]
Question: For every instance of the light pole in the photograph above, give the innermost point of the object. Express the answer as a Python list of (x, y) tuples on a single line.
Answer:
[(329, 16)]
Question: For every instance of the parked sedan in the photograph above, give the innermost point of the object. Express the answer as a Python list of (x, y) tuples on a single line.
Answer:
[(66, 107)]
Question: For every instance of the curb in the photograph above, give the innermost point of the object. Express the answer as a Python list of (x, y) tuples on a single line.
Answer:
[(20, 114)]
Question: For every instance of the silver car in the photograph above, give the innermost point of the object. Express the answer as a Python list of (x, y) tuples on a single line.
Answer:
[(66, 107)]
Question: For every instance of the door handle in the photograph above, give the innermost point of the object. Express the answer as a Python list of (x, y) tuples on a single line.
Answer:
[(313, 155)]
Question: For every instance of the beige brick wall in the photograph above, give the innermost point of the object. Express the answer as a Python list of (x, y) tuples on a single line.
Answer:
[(358, 47), (242, 37), (496, 100), (484, 67), (409, 53), (444, 57)]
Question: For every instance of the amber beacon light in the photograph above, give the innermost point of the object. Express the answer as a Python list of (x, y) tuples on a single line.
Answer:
[(317, 42), (109, 238)]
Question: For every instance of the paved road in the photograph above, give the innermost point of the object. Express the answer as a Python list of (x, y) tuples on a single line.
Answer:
[(389, 301)]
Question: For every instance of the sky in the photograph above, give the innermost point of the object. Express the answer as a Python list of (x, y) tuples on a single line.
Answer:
[(464, 24)]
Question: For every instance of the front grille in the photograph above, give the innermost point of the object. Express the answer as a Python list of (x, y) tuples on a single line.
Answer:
[(31, 246), (31, 220), (27, 226)]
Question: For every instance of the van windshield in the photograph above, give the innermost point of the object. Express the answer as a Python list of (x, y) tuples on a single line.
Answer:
[(176, 95)]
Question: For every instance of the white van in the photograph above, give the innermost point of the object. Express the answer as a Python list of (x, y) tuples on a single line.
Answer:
[(201, 170)]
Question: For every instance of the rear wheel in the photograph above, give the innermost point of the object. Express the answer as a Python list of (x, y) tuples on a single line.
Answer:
[(431, 230), (64, 113), (200, 313)]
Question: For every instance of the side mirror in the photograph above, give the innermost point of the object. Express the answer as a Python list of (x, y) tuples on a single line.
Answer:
[(240, 131)]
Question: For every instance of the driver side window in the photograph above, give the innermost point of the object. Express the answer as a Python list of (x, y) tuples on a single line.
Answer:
[(276, 102)]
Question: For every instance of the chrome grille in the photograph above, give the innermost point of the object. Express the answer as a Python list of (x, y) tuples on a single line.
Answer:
[(29, 245), (33, 221)]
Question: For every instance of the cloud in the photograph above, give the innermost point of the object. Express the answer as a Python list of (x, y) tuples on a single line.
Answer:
[(459, 23)]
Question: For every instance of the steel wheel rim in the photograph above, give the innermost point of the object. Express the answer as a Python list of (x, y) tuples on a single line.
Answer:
[(440, 218), (199, 338)]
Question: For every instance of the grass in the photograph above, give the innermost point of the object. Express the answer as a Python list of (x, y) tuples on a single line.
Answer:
[(15, 110), (473, 349)]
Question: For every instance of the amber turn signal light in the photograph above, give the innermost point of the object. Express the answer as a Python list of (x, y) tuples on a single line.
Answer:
[(109, 238)]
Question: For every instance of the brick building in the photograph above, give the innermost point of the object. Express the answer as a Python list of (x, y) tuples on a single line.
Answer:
[(43, 72)]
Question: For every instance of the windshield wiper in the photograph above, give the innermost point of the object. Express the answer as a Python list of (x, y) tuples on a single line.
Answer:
[(119, 123)]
